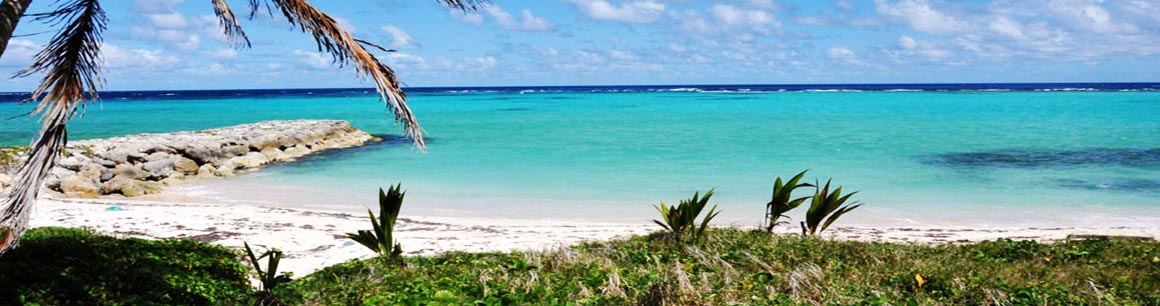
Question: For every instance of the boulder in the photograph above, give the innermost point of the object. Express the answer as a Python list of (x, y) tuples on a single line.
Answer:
[(236, 150), (5, 181), (92, 171), (80, 187), (134, 172), (156, 156), (274, 154), (184, 165), (130, 187), (159, 169), (206, 171), (74, 162), (297, 151), (250, 160)]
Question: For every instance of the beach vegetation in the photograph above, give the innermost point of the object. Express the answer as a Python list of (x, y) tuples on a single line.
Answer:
[(63, 266), (750, 267), (826, 206), (268, 278), (730, 266), (380, 238), (782, 200), (681, 219)]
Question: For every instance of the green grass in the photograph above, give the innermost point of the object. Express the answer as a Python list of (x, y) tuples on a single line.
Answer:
[(60, 266), (735, 267), (729, 267)]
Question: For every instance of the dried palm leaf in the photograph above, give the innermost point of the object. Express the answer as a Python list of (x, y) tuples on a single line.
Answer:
[(70, 66), (345, 48), (230, 25)]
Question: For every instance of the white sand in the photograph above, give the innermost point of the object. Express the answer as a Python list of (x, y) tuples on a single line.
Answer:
[(314, 239)]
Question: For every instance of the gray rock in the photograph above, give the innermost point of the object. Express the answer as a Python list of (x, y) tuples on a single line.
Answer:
[(129, 171), (130, 187), (250, 160), (156, 156), (206, 171), (159, 169), (116, 155), (74, 162), (80, 187), (236, 150), (92, 171), (184, 165), (104, 162)]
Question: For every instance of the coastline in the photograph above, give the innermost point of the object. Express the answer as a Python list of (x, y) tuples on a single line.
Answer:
[(313, 239)]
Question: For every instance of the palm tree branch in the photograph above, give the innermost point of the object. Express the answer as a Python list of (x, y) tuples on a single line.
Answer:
[(229, 22), (70, 63), (345, 48)]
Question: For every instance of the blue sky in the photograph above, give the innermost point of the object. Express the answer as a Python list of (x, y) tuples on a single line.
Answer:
[(175, 44)]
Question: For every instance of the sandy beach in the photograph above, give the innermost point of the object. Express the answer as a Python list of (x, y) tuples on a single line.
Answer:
[(313, 239)]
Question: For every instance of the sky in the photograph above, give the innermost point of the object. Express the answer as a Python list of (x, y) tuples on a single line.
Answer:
[(177, 44)]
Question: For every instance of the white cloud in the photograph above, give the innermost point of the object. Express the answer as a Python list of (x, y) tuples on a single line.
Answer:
[(223, 53), (399, 39), (19, 53), (843, 54), (155, 6), (753, 19), (118, 58), (470, 18), (313, 60), (526, 22), (907, 43), (921, 16), (647, 11), (1087, 15)]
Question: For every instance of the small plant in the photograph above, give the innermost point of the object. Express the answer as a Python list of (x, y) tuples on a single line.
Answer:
[(381, 238), (828, 206), (269, 278), (682, 218), (780, 203)]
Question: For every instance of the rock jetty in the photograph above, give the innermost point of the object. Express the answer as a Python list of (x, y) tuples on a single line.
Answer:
[(142, 164)]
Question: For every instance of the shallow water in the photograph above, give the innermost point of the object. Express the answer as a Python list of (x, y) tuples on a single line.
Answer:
[(1019, 158)]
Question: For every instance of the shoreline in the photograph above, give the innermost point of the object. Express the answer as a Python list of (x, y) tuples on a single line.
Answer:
[(313, 238)]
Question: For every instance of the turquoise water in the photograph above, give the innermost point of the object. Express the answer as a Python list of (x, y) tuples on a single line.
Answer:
[(920, 158)]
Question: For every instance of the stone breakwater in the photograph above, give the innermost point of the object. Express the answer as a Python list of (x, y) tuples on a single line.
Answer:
[(142, 164)]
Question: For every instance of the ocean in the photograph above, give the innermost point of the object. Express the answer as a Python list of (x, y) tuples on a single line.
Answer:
[(972, 155)]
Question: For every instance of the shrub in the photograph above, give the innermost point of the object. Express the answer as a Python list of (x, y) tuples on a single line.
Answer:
[(780, 202), (827, 206), (380, 238), (63, 266), (682, 218), (269, 277)]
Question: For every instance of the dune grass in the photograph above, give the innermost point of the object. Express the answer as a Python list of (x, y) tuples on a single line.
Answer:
[(736, 267), (56, 266)]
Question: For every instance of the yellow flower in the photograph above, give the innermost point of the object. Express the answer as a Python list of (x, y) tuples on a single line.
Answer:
[(920, 280), (1155, 259)]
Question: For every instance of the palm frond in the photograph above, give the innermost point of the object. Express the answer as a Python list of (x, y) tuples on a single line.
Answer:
[(465, 5), (229, 22), (10, 12), (70, 63), (345, 48)]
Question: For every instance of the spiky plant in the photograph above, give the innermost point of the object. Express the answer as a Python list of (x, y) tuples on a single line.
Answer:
[(826, 206), (380, 238), (269, 278), (71, 66), (682, 218), (780, 202)]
